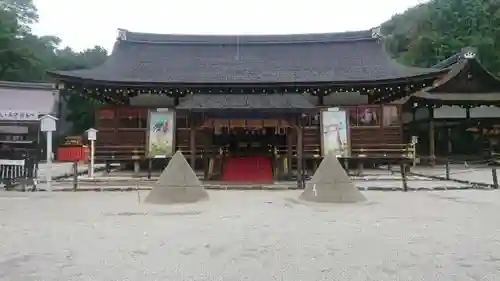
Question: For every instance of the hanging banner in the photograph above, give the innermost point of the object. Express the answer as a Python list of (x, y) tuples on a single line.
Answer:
[(335, 130), (18, 115), (161, 133)]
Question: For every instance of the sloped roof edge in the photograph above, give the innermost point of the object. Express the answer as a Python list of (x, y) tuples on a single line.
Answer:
[(458, 63)]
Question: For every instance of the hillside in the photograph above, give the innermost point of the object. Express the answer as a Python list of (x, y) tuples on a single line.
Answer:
[(431, 32)]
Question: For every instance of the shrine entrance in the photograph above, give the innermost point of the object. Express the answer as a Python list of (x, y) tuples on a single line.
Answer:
[(249, 147), (248, 137), (249, 141)]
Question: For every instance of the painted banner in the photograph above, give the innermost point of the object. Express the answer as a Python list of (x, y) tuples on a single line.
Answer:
[(334, 129), (16, 115), (161, 133)]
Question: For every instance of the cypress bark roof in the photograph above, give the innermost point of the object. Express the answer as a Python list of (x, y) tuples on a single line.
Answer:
[(340, 58)]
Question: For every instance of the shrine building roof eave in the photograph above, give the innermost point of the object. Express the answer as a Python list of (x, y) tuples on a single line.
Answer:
[(358, 83), (458, 64), (344, 58), (240, 102), (473, 98)]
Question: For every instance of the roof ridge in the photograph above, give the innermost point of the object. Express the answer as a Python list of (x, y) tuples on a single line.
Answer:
[(246, 39)]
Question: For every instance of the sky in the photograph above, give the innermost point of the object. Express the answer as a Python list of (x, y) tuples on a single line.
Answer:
[(84, 24)]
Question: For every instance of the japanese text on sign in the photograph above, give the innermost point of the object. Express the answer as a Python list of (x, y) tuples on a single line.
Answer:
[(16, 115)]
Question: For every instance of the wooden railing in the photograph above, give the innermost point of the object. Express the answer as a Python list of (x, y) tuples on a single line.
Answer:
[(119, 152), (402, 151)]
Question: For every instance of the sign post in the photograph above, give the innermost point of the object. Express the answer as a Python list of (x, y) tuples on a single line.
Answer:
[(48, 125), (92, 137)]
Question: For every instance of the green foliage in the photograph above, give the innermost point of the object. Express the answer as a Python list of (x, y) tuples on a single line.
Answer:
[(432, 32), (27, 57), (81, 112), (13, 53)]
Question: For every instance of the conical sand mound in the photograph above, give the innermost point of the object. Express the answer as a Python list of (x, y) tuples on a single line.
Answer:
[(331, 184), (177, 184)]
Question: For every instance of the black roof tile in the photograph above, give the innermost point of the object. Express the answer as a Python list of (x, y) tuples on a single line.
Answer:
[(209, 59)]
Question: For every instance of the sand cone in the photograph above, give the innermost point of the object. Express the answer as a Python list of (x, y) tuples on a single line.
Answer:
[(177, 184), (331, 184)]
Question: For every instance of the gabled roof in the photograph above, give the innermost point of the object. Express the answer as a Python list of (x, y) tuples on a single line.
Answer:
[(467, 82), (467, 75), (337, 58)]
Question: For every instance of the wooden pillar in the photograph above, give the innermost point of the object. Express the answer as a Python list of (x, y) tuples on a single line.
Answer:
[(450, 141), (432, 142), (192, 143), (276, 167), (289, 153), (300, 150), (403, 176), (321, 98), (207, 155)]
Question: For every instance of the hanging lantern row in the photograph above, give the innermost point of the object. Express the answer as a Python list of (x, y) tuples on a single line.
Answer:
[(120, 96)]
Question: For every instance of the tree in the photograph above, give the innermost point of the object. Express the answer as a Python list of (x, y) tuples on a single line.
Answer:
[(431, 32), (13, 54), (27, 57), (24, 11)]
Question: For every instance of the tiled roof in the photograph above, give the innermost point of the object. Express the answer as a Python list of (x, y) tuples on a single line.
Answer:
[(209, 59)]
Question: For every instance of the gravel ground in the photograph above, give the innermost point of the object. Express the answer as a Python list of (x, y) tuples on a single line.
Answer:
[(250, 235)]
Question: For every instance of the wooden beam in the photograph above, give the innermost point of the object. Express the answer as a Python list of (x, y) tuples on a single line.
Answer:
[(300, 149), (432, 142), (192, 143), (289, 152)]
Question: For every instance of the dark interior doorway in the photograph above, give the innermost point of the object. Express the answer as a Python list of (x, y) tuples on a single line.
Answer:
[(248, 141)]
